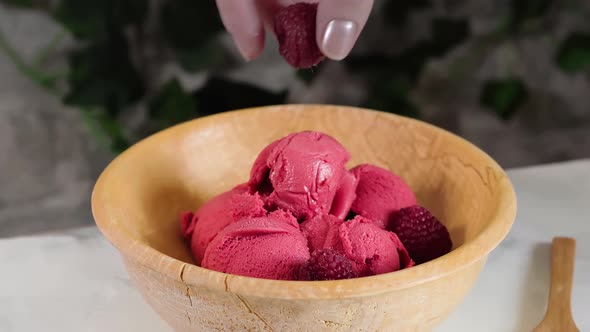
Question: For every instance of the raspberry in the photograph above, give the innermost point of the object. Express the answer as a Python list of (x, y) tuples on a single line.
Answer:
[(424, 236), (326, 264), (295, 28)]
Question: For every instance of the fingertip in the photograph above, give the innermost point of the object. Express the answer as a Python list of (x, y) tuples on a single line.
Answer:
[(338, 39), (249, 46), (339, 24), (242, 21)]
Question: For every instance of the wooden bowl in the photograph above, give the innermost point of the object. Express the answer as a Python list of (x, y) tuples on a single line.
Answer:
[(137, 199)]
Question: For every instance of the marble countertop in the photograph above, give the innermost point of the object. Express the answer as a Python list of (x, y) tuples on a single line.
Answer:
[(75, 281)]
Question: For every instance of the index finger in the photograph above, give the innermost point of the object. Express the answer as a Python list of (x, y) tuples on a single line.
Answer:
[(241, 20), (339, 24)]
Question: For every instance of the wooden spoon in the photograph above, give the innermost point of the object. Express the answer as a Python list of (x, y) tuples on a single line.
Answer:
[(558, 317)]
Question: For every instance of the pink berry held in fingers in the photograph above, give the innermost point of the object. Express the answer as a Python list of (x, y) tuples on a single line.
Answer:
[(295, 28)]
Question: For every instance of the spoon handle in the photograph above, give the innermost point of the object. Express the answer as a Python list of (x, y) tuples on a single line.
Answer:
[(563, 251)]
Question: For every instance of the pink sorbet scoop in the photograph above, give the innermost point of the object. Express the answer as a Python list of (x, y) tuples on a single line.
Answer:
[(218, 213), (379, 194), (372, 249), (269, 247), (301, 173)]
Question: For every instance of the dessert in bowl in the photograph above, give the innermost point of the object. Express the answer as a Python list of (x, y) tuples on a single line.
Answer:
[(137, 200)]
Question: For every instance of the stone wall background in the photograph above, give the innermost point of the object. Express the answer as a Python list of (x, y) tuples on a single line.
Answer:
[(49, 160)]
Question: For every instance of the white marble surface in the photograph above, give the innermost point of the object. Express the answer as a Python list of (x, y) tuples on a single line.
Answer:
[(76, 282)]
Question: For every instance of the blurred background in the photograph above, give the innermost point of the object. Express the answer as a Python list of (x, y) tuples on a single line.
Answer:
[(81, 80)]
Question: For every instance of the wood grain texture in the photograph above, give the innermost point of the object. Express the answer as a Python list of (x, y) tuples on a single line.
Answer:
[(138, 197), (559, 316)]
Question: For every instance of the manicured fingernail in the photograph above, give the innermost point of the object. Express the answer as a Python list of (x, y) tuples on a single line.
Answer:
[(339, 38)]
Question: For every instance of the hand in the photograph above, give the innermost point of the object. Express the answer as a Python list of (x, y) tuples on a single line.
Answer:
[(338, 24)]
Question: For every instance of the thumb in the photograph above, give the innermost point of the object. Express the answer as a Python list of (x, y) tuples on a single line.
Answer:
[(339, 24)]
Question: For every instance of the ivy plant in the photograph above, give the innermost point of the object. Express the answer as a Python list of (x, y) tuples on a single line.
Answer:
[(106, 78)]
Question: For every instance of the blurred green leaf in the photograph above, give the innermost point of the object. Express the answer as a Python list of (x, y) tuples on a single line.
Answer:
[(33, 4), (210, 55), (105, 128), (448, 33), (172, 105), (408, 63), (397, 11), (103, 75), (96, 20), (413, 59), (32, 71), (220, 95), (526, 10), (504, 96), (574, 52), (50, 48), (188, 24), (392, 96)]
